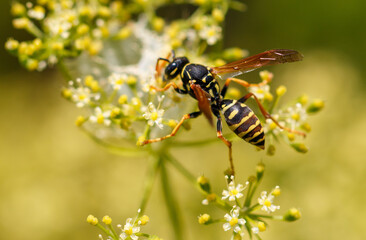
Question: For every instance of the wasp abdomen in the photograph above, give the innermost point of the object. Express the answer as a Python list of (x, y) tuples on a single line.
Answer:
[(243, 122)]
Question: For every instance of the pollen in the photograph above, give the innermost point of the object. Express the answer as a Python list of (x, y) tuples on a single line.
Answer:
[(267, 202), (128, 231), (234, 192), (233, 221), (100, 119), (295, 116), (154, 116)]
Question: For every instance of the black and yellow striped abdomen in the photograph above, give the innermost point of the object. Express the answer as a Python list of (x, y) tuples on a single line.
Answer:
[(243, 122)]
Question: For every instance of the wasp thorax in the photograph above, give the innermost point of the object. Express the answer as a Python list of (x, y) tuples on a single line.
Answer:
[(175, 67)]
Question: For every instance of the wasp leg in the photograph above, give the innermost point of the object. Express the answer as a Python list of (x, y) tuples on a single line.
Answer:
[(171, 84), (242, 83), (219, 135), (175, 130), (267, 115)]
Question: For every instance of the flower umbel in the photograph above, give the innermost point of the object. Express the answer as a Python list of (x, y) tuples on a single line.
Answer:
[(233, 192)]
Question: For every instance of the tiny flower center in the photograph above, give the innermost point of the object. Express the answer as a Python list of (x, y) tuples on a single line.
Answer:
[(260, 90), (295, 116), (100, 118), (82, 96), (267, 202), (119, 81), (154, 116), (129, 231), (211, 33), (234, 192), (233, 221)]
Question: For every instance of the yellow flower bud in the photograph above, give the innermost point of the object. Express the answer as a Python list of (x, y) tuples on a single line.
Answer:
[(202, 180), (92, 220), (281, 90), (124, 33), (276, 191), (300, 147), (88, 80), (107, 220), (292, 215), (31, 64), (233, 93), (219, 62), (11, 44), (158, 24), (21, 23), (131, 80), (291, 136), (144, 220), (140, 140), (268, 96), (57, 46), (315, 106), (200, 2), (95, 47), (18, 9), (104, 12), (306, 127), (266, 75), (82, 29), (79, 121), (303, 99), (175, 43), (95, 86), (261, 226), (115, 112), (234, 53), (204, 218), (86, 11), (123, 99), (172, 123), (218, 15), (66, 93)]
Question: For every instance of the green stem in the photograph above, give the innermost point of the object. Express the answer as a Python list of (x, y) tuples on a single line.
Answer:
[(171, 203), (62, 67), (153, 170), (190, 177), (104, 230), (126, 152), (113, 231)]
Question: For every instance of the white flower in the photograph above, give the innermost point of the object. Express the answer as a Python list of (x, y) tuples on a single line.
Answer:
[(37, 13), (129, 230), (117, 80), (211, 34), (260, 91), (295, 116), (233, 192), (255, 230), (267, 202), (233, 221), (101, 117), (154, 115)]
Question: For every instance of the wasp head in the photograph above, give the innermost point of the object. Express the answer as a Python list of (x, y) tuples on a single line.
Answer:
[(175, 67)]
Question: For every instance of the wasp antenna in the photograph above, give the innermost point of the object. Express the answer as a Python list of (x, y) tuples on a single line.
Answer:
[(173, 54)]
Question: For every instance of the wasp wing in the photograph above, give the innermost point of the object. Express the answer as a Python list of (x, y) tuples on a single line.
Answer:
[(204, 103), (271, 57)]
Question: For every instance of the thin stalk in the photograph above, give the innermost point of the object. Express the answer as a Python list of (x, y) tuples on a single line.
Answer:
[(171, 203), (126, 152), (149, 183)]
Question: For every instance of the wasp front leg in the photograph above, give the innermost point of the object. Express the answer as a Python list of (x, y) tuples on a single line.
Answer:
[(242, 83), (169, 85), (267, 115), (175, 130)]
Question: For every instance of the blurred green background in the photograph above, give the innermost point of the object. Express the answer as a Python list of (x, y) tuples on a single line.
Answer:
[(52, 176)]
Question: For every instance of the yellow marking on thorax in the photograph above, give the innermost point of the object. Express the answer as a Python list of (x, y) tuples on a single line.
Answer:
[(233, 114), (255, 135), (182, 72), (173, 72), (211, 92), (228, 106), (243, 120), (249, 129)]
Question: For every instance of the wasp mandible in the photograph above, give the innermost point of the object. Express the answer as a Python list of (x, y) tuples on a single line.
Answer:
[(201, 83)]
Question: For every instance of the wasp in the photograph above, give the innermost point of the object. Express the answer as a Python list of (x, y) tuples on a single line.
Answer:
[(201, 82)]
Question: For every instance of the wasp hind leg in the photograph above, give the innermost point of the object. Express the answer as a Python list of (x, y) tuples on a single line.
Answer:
[(267, 115), (242, 83), (175, 130)]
